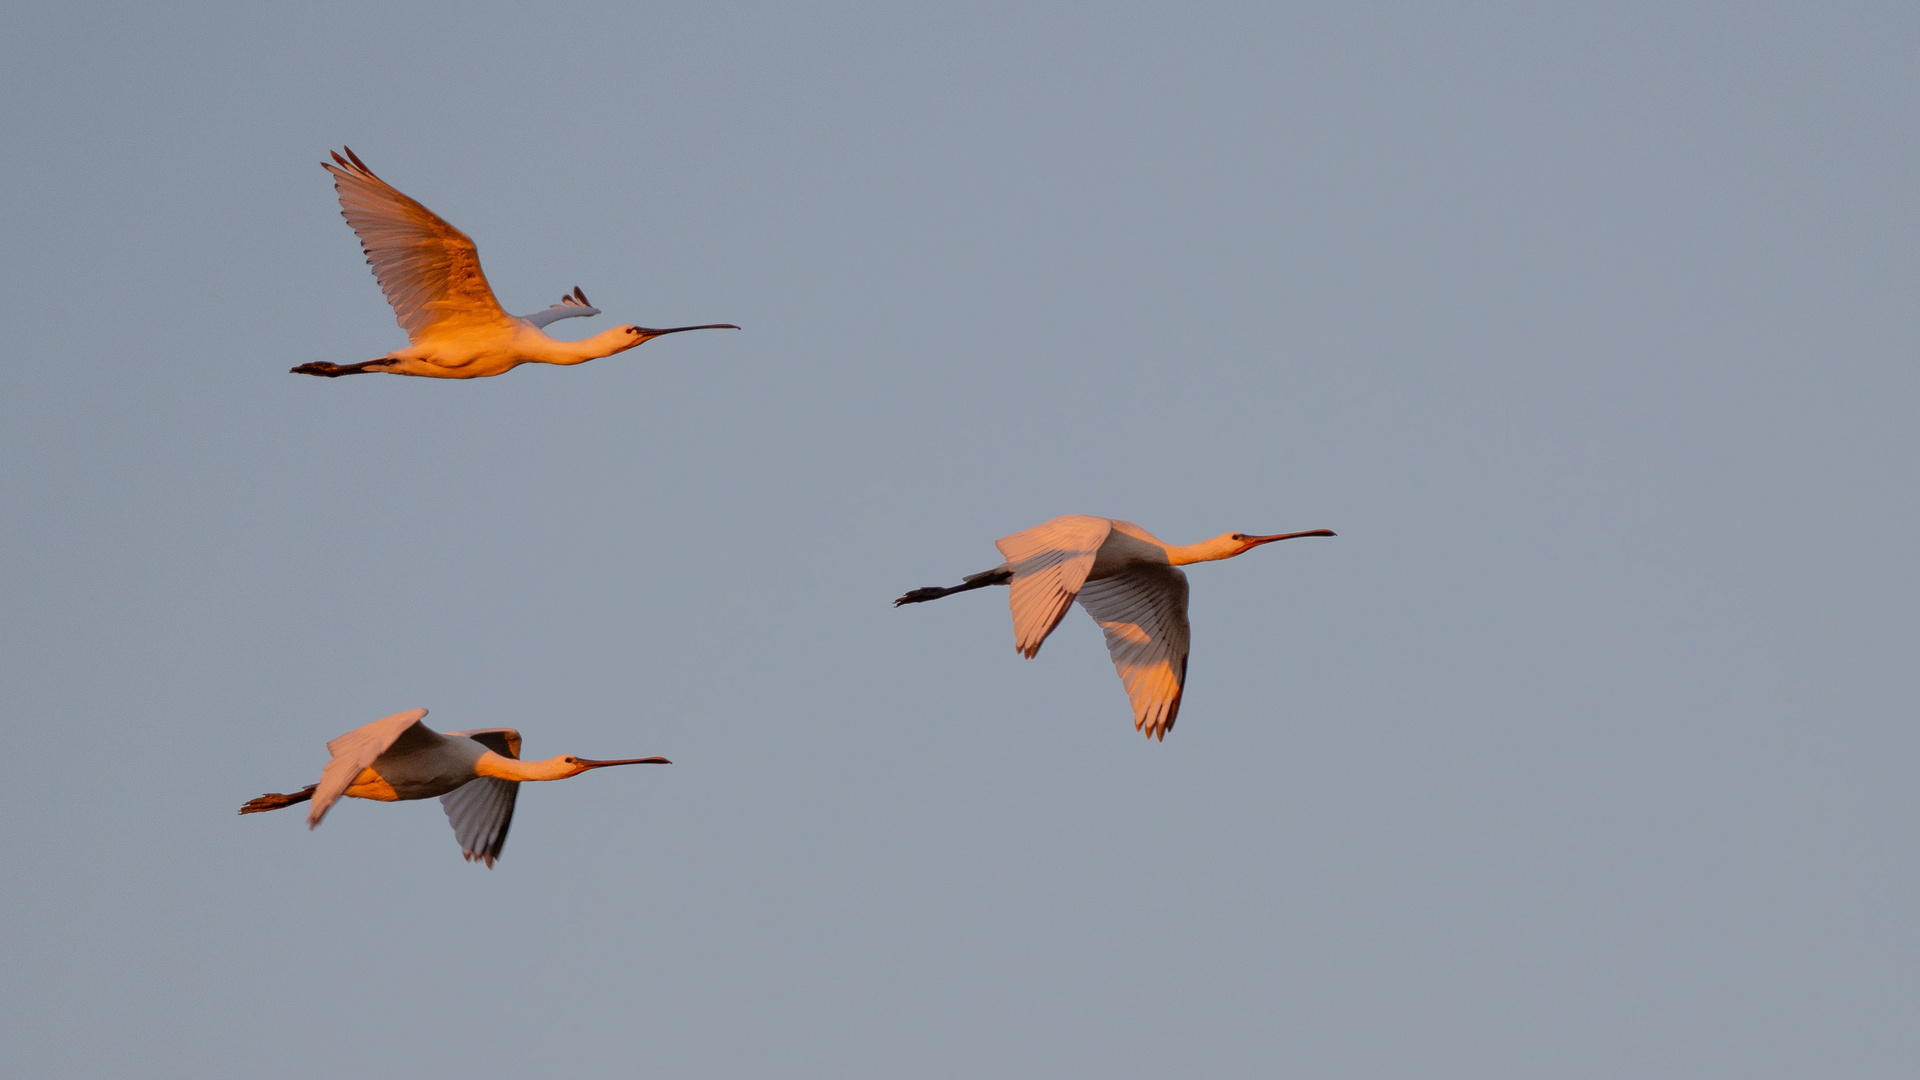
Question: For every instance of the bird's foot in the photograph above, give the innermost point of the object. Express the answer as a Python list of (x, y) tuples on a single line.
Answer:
[(276, 802), (333, 371), (999, 575)]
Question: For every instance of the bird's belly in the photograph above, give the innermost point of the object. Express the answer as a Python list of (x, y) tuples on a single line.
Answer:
[(369, 785), (452, 365), (412, 777), (1121, 551), (469, 353)]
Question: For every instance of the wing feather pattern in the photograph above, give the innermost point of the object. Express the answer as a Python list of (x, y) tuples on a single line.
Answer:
[(574, 305), (1143, 612), (357, 750), (481, 809), (1050, 562), (429, 270)]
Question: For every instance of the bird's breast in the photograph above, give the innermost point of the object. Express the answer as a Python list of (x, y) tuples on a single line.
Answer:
[(1122, 550), (369, 785)]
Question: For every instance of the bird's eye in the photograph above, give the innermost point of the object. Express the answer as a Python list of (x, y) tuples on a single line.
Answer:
[(1239, 536), (573, 761)]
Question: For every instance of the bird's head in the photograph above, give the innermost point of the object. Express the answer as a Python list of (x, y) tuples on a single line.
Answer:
[(1245, 542)]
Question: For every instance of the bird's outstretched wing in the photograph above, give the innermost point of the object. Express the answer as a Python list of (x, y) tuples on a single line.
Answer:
[(574, 305), (1143, 611), (481, 809), (357, 749), (1049, 562), (429, 270)]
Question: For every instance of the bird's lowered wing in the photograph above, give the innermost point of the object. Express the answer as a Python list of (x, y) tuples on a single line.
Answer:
[(357, 749), (481, 809), (429, 270), (572, 306), (1049, 562), (1143, 611)]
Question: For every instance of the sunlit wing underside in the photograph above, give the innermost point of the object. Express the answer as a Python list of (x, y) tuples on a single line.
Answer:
[(1143, 612), (429, 270)]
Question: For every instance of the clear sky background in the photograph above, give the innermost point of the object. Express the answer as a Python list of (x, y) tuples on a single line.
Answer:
[(1588, 749)]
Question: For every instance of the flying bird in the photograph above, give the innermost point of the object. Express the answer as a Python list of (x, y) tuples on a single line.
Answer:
[(1124, 576), (431, 274), (476, 774)]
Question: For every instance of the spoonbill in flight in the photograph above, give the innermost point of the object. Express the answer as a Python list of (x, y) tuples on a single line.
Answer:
[(1124, 576), (477, 775), (431, 274)]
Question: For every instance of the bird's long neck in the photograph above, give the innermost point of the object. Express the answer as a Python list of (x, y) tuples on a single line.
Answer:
[(593, 348), (506, 768), (1227, 545), (1220, 547)]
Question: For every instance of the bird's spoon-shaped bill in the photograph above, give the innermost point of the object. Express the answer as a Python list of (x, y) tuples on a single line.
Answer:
[(626, 761), (1290, 536), (681, 329)]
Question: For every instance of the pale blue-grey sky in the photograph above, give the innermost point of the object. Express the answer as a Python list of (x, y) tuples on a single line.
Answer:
[(1586, 750)]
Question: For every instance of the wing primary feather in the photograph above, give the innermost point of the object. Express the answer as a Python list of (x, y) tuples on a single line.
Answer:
[(480, 812), (357, 750), (1143, 613), (1050, 563), (429, 270)]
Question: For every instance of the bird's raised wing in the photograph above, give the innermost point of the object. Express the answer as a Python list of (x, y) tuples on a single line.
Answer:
[(572, 306), (429, 270), (481, 809), (1049, 562), (504, 741), (1143, 611), (357, 749)]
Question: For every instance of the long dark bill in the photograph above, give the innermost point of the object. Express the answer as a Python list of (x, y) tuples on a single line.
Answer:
[(684, 329), (628, 761), (1258, 540)]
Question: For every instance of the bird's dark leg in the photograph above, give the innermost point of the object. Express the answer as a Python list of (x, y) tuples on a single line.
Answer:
[(999, 575), (276, 802), (334, 371)]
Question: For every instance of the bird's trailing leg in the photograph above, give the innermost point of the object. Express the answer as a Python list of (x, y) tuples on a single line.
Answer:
[(999, 575), (334, 371), (277, 802)]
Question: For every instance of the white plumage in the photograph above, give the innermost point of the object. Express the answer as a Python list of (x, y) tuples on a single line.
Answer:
[(476, 774), (1125, 578), (430, 272)]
